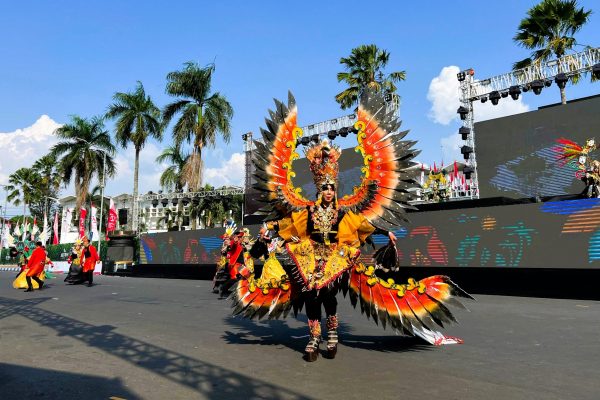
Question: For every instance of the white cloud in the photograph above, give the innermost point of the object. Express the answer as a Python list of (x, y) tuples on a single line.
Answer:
[(451, 148), (21, 148), (231, 172), (443, 94)]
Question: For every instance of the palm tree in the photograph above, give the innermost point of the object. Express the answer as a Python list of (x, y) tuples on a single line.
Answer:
[(174, 177), (364, 68), (203, 114), (137, 120), (23, 187), (48, 186), (549, 30), (85, 143)]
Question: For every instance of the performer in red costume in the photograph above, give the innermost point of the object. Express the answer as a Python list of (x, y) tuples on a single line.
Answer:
[(90, 259), (35, 266), (323, 236)]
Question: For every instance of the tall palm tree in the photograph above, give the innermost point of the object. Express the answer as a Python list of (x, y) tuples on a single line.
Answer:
[(174, 177), (204, 114), (138, 119), (23, 187), (81, 151), (549, 30), (48, 186), (364, 68)]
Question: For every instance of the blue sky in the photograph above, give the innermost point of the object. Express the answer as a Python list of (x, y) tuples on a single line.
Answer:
[(69, 57)]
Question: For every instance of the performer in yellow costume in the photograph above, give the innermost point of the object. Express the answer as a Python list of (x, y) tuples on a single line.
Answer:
[(323, 237)]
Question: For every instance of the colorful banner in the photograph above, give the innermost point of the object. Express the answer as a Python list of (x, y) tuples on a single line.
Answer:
[(55, 238), (67, 219), (82, 214), (94, 223), (111, 224), (44, 234)]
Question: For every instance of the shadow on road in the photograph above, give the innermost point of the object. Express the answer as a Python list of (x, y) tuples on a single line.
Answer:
[(212, 381), (18, 382), (279, 333)]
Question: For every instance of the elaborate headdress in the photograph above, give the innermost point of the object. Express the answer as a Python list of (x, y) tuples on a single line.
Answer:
[(324, 166)]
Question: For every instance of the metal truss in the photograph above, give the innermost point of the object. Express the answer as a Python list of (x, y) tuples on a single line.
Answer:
[(228, 191), (570, 65), (466, 103)]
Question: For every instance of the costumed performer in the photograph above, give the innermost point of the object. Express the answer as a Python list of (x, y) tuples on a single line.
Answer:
[(239, 262), (34, 270), (323, 237), (75, 274), (89, 260)]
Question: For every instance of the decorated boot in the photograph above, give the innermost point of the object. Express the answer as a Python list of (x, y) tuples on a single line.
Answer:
[(332, 336), (311, 352)]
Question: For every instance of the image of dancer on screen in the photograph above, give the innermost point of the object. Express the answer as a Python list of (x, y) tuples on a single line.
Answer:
[(323, 236)]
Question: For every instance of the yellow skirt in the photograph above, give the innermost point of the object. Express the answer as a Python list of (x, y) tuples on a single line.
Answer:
[(272, 270), (21, 282)]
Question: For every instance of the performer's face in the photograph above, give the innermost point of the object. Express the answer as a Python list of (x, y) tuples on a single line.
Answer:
[(328, 194), (86, 242)]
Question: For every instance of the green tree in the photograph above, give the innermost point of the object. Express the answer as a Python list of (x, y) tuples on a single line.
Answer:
[(138, 119), (174, 176), (84, 143), (203, 114), (48, 186), (23, 187), (365, 68), (549, 30)]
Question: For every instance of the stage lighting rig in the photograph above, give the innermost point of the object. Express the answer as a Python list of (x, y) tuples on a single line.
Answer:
[(495, 97), (537, 86), (463, 111), (514, 92), (483, 99), (464, 132), (596, 70), (332, 134), (466, 151), (561, 80)]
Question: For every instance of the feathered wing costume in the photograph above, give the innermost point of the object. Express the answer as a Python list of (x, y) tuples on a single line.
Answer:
[(323, 238)]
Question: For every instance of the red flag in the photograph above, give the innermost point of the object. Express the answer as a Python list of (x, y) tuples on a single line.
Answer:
[(111, 224), (455, 169), (55, 239), (82, 214), (434, 168)]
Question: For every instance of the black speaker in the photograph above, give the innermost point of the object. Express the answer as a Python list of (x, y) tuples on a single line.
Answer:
[(122, 216)]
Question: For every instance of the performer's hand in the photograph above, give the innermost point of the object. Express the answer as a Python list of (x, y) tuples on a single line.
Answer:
[(392, 237)]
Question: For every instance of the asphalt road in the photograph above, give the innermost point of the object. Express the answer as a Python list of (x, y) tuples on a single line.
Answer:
[(140, 338)]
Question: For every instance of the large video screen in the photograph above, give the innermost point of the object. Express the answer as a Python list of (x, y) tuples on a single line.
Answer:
[(557, 234), (516, 156)]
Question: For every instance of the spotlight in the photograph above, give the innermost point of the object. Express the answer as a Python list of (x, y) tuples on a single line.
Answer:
[(537, 86), (494, 97), (343, 132), (353, 130), (185, 201), (387, 97), (548, 82), (483, 99), (245, 137), (461, 76), (311, 126), (352, 116), (164, 202), (332, 134), (174, 201), (334, 121), (305, 140), (514, 92), (463, 111), (465, 151), (596, 70), (561, 80), (464, 132), (315, 137), (155, 203), (195, 201), (504, 94), (526, 88), (467, 171)]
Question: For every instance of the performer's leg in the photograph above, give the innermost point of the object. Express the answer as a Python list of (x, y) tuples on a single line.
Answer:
[(313, 312), (39, 281), (330, 305), (29, 285), (90, 277)]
